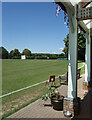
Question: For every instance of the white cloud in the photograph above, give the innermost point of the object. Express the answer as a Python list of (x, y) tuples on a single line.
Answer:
[(55, 53), (61, 48)]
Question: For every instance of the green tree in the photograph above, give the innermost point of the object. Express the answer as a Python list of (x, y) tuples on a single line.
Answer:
[(81, 46), (15, 52), (26, 52), (11, 54), (3, 53), (66, 41), (62, 55)]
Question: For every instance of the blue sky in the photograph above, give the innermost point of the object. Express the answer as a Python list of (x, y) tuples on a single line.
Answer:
[(33, 25)]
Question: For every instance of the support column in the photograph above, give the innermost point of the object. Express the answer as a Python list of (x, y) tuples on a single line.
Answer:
[(87, 58), (87, 61), (91, 60), (71, 102), (72, 57)]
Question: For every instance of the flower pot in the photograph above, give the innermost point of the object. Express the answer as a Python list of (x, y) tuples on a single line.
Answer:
[(52, 99), (57, 103)]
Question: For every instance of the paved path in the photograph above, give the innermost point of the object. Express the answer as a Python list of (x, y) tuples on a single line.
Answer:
[(38, 110), (80, 91)]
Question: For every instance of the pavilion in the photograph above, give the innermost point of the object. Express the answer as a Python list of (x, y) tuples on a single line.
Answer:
[(79, 15)]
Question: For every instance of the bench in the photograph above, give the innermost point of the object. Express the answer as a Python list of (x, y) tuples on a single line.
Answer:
[(66, 76), (78, 72), (63, 78)]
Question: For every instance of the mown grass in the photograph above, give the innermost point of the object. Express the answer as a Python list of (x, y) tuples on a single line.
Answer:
[(21, 99), (18, 74), (21, 73), (37, 70), (83, 68)]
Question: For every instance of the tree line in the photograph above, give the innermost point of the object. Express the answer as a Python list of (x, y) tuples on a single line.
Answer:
[(15, 54)]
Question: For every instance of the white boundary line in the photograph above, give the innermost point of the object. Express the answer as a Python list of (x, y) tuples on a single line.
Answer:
[(82, 66), (21, 89), (31, 85)]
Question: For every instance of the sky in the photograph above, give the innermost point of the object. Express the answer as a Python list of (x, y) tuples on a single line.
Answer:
[(33, 25)]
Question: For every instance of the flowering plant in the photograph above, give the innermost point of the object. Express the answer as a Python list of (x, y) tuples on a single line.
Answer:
[(52, 91)]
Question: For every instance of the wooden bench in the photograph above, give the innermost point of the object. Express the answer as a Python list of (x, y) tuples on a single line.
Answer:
[(78, 72), (63, 78), (66, 76)]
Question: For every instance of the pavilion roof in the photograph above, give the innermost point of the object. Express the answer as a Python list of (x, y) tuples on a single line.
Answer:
[(86, 24)]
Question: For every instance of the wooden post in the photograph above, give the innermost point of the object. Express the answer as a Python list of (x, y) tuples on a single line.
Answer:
[(87, 58), (91, 59), (87, 82), (72, 56), (71, 102)]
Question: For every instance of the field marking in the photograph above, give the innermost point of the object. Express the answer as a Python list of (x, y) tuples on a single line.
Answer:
[(82, 66), (32, 85), (21, 89)]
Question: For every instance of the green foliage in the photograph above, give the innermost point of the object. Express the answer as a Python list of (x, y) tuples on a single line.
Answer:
[(3, 53), (26, 52), (51, 91), (81, 46), (29, 57), (11, 54), (16, 57), (66, 41), (46, 56), (14, 54), (62, 55)]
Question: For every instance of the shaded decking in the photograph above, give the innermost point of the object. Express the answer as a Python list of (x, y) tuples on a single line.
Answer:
[(86, 107), (38, 110)]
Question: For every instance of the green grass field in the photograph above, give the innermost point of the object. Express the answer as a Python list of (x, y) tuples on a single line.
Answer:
[(18, 74), (21, 73)]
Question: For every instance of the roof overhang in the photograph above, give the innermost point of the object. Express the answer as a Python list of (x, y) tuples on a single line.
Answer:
[(85, 24)]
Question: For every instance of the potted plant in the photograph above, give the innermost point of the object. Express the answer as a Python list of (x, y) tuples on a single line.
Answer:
[(56, 98), (49, 94)]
